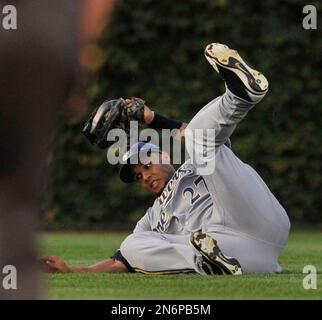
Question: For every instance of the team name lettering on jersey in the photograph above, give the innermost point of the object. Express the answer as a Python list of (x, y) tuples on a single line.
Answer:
[(163, 223), (167, 193)]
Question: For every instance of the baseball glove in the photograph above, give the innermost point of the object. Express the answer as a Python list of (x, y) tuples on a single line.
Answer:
[(113, 114)]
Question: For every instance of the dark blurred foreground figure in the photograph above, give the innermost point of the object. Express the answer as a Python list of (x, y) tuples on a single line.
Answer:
[(38, 61)]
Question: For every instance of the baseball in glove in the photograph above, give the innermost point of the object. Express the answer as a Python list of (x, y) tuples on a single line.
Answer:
[(113, 114)]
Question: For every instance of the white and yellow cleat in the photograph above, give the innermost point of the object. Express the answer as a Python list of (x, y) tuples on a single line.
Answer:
[(213, 261), (242, 80)]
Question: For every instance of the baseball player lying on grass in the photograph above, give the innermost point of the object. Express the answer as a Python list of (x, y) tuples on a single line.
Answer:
[(223, 222)]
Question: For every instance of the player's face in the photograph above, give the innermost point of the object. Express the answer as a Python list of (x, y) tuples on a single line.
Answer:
[(153, 176)]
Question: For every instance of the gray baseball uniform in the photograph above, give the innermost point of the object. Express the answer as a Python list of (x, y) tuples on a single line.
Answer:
[(232, 204)]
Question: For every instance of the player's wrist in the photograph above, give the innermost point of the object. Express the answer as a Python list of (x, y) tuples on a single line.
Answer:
[(161, 122), (78, 270), (148, 115)]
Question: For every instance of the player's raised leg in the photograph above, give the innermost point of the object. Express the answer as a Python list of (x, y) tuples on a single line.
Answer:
[(247, 205), (245, 87), (243, 81)]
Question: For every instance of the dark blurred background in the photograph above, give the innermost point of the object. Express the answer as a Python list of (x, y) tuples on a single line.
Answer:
[(154, 50)]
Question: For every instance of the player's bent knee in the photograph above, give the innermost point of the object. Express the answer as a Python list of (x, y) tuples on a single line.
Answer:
[(133, 243), (135, 247), (127, 246)]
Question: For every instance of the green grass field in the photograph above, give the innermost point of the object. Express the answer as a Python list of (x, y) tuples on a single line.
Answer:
[(81, 249)]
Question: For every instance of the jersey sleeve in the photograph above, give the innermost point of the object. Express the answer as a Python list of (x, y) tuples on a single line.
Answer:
[(144, 223)]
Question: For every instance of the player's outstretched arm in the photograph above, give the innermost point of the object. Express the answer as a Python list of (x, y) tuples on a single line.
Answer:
[(57, 265)]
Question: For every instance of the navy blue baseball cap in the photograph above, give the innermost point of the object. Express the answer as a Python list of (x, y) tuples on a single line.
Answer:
[(133, 157)]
